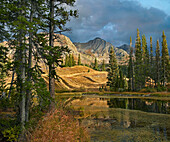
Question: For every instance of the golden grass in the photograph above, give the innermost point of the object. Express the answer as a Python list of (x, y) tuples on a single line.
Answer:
[(77, 77), (59, 126)]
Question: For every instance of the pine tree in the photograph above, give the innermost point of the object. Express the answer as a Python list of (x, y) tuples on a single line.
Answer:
[(121, 80), (138, 63), (18, 20), (151, 69), (66, 61), (165, 60), (125, 83), (103, 66), (131, 68), (95, 64), (70, 60), (62, 63), (113, 70), (73, 61), (79, 60), (158, 64), (145, 57)]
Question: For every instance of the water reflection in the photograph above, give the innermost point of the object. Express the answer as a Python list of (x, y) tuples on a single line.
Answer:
[(119, 119), (147, 105)]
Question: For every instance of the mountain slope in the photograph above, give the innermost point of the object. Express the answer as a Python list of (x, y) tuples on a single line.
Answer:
[(100, 48), (78, 77)]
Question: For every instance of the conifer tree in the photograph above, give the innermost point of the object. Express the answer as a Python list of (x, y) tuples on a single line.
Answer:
[(73, 61), (165, 60), (103, 66), (66, 61), (70, 60), (18, 20), (138, 63), (121, 80), (151, 69), (131, 68), (95, 64), (145, 57), (79, 60), (62, 63), (113, 70), (125, 83), (158, 64)]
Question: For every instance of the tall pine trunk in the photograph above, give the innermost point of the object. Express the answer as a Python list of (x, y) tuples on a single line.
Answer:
[(28, 92), (22, 52), (51, 44)]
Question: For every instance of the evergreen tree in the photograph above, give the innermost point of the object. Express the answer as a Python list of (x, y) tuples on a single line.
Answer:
[(103, 66), (66, 61), (17, 24), (165, 60), (113, 70), (4, 68), (62, 63), (79, 60), (121, 80), (73, 61), (151, 69), (131, 68), (145, 57), (138, 63), (125, 83), (70, 60), (158, 64), (95, 64)]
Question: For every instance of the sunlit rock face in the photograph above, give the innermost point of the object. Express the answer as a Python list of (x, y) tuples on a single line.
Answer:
[(100, 49)]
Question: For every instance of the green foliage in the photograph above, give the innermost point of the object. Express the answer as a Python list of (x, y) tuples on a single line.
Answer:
[(5, 66), (103, 66), (161, 88), (79, 60), (113, 71), (148, 90), (165, 60), (66, 61), (145, 58), (12, 133), (130, 74), (151, 72), (158, 63), (138, 63), (95, 64), (73, 61)]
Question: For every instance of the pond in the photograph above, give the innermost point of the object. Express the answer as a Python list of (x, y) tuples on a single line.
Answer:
[(123, 119)]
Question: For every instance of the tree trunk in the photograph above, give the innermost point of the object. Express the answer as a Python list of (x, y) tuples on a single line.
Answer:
[(51, 67), (28, 92), (22, 52), (12, 80)]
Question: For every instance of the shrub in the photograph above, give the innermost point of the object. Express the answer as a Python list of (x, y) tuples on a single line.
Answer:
[(12, 133), (161, 88), (148, 90), (58, 126)]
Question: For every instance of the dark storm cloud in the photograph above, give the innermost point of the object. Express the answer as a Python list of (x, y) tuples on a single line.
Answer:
[(116, 21)]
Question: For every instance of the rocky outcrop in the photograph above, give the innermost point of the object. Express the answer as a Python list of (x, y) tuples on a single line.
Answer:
[(100, 48), (125, 47)]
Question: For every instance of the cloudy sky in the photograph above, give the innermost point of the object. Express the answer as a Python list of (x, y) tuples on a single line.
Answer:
[(117, 20)]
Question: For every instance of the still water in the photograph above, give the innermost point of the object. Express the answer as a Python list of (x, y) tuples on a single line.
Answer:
[(110, 119)]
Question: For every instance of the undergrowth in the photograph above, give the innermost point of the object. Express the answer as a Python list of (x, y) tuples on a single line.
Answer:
[(58, 126)]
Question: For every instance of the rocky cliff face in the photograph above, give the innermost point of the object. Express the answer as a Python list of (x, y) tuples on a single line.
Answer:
[(100, 48), (125, 47)]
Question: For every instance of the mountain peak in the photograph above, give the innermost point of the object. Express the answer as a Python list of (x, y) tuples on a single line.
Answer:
[(98, 38)]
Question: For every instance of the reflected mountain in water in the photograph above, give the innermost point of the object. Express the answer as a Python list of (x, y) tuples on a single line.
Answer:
[(119, 119)]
